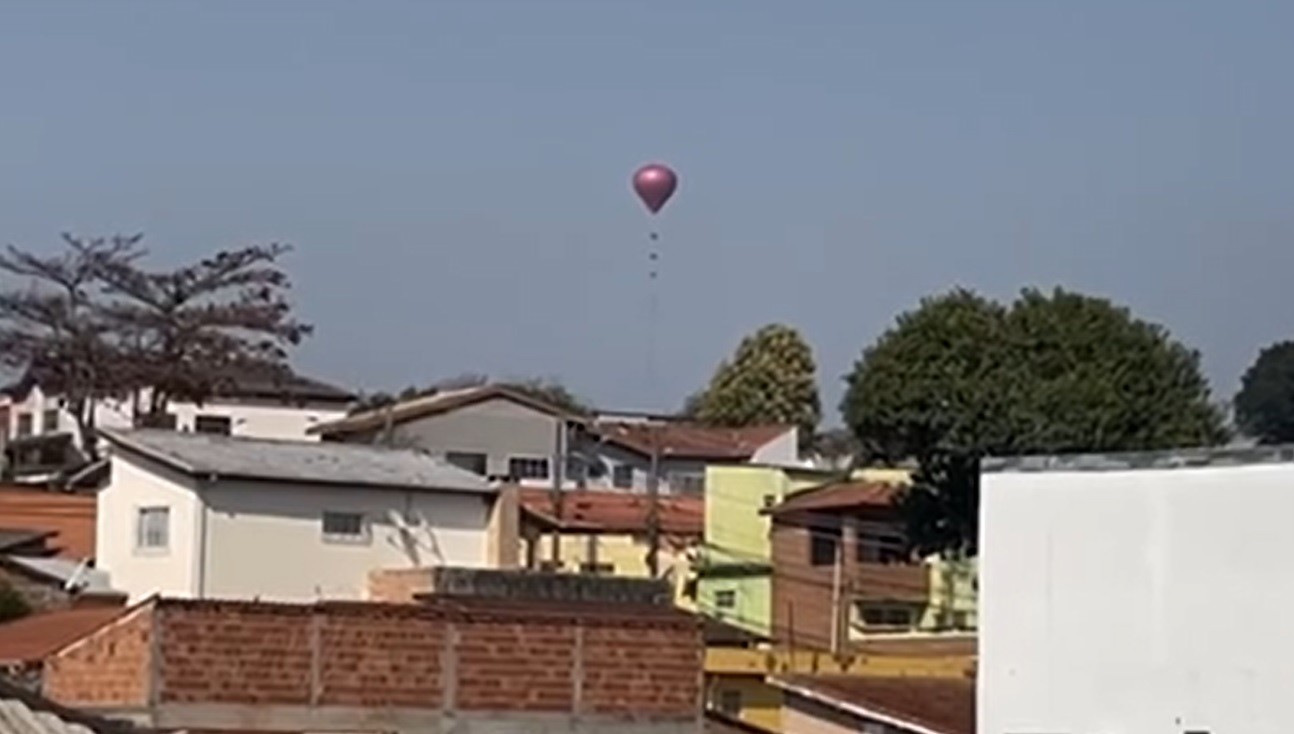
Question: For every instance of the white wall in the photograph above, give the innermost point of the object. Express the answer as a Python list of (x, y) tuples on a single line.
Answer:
[(781, 451), (1146, 601), (266, 539), (140, 572), (254, 419)]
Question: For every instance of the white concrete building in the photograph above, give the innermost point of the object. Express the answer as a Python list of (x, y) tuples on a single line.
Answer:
[(42, 435), (198, 516), (1137, 593)]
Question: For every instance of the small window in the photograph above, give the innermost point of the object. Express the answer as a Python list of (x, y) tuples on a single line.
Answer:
[(24, 424), (605, 569), (885, 615), (822, 546), (880, 547), (152, 528), (164, 421), (687, 483), (725, 598), (473, 462), (49, 422), (769, 501), (729, 702), (622, 476), (520, 467), (344, 527), (217, 424)]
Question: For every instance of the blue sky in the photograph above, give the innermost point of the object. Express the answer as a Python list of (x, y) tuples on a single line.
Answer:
[(454, 174)]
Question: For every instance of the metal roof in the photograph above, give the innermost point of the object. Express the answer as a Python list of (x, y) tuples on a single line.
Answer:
[(88, 580), (302, 462), (25, 712), (1218, 456)]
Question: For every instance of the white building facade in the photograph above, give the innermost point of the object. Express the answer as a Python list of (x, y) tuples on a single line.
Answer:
[(203, 516), (1137, 593)]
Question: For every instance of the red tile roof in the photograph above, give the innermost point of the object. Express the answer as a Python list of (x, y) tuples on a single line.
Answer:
[(32, 639), (70, 516), (691, 440), (840, 496), (944, 705), (614, 512)]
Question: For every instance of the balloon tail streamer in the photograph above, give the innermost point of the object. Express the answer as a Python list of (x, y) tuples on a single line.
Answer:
[(653, 308)]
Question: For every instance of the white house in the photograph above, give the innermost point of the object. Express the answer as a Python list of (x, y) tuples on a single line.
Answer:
[(42, 435), (1137, 593), (200, 515)]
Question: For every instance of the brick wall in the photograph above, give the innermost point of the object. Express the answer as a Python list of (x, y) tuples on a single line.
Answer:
[(802, 593), (504, 657), (110, 667)]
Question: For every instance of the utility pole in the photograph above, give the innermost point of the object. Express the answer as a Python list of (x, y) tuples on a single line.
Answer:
[(653, 503), (557, 471)]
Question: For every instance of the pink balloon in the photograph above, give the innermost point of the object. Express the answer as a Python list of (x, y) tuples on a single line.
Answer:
[(654, 183)]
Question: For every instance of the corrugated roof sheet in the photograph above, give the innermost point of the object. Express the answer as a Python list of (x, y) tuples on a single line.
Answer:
[(944, 705), (33, 638), (61, 570), (614, 512), (841, 496), (70, 515), (25, 712), (203, 454)]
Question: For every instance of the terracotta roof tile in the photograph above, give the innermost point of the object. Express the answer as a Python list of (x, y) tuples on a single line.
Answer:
[(691, 440), (944, 705), (841, 496), (615, 512), (70, 516), (31, 639)]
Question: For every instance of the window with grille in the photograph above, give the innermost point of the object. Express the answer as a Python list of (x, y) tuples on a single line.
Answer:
[(344, 527), (526, 467), (622, 477), (217, 424), (729, 702), (725, 598), (49, 422), (153, 528), (24, 424), (878, 546)]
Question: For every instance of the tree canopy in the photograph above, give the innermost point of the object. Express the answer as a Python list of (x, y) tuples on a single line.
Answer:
[(772, 378), (91, 322), (962, 377), (1264, 407)]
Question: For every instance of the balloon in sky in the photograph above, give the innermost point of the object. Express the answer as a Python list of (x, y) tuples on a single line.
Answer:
[(655, 183)]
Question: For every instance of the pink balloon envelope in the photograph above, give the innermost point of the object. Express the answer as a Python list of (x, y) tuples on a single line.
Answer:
[(654, 183)]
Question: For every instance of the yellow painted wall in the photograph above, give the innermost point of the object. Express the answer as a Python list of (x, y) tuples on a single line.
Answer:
[(761, 703)]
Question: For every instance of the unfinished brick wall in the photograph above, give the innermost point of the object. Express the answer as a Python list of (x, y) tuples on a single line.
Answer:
[(110, 667), (234, 654), (371, 655), (506, 664), (490, 657)]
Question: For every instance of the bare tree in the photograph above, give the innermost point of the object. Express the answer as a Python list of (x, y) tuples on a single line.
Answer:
[(52, 326), (187, 333)]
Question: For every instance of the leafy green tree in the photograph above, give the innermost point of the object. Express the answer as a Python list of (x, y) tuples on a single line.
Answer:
[(771, 379), (1265, 404), (962, 377)]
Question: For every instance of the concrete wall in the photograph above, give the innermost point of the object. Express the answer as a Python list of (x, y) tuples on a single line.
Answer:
[(624, 553), (253, 418), (239, 539), (266, 539), (138, 483), (1136, 600)]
